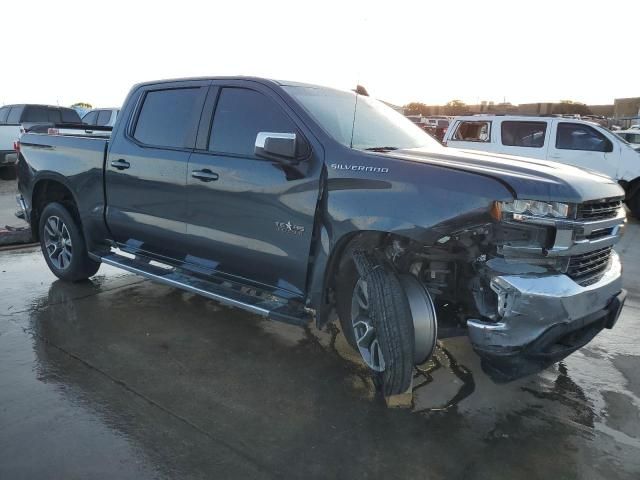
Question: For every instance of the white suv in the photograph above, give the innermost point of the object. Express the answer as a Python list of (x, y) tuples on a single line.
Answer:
[(564, 140)]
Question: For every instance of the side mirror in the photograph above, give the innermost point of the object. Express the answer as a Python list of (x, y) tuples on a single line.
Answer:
[(276, 146)]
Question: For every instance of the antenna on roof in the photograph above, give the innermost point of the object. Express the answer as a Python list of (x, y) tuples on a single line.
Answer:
[(360, 90)]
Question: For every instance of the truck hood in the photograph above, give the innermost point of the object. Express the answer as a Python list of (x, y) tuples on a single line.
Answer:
[(527, 178)]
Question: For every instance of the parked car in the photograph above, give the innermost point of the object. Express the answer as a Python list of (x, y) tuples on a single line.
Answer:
[(15, 118), (279, 198), (434, 126), (437, 127), (631, 135), (103, 117), (565, 140)]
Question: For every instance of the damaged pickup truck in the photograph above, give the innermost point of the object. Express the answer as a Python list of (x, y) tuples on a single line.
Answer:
[(293, 201)]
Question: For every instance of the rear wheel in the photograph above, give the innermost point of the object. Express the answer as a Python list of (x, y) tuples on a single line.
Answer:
[(63, 245), (376, 320)]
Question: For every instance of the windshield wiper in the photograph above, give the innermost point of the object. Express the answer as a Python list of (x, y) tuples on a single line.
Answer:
[(381, 149)]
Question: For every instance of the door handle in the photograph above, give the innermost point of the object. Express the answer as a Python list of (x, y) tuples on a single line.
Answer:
[(204, 175), (120, 164)]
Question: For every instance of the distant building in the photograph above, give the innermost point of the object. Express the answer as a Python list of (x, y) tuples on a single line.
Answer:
[(622, 108), (549, 108), (626, 107), (542, 108), (490, 107), (602, 110)]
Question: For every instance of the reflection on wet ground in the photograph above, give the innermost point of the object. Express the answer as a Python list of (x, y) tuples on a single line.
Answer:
[(122, 378)]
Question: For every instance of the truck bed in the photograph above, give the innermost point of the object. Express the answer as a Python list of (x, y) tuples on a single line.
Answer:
[(65, 154)]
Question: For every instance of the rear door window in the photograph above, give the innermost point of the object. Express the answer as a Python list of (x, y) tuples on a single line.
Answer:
[(90, 118), (103, 117), (523, 134), (69, 115), (4, 111), (575, 136), (473, 131), (14, 115), (35, 114), (168, 117), (242, 113), (54, 115)]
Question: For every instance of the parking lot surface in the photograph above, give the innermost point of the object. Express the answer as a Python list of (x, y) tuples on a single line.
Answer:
[(122, 378)]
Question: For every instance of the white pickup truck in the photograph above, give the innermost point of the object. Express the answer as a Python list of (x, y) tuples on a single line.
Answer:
[(15, 119), (564, 140)]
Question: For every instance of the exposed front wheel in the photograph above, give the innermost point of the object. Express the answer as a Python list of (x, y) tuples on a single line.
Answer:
[(376, 312), (63, 245)]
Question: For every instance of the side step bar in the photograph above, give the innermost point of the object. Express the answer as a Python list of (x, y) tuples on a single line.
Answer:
[(225, 292)]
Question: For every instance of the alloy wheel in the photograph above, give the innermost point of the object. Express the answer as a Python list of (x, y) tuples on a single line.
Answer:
[(363, 329), (57, 242)]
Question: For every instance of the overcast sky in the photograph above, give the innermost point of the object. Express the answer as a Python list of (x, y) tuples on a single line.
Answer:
[(69, 51)]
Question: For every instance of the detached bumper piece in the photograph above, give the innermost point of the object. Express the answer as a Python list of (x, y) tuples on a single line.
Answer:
[(22, 207), (543, 319)]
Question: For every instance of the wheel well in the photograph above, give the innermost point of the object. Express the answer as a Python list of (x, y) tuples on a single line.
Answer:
[(46, 192), (631, 188), (446, 269), (366, 240)]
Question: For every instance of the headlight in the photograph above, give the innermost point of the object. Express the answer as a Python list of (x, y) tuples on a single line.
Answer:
[(531, 207)]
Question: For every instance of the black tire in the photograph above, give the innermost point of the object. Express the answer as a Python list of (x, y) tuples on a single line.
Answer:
[(390, 315), (348, 277), (634, 205), (74, 264)]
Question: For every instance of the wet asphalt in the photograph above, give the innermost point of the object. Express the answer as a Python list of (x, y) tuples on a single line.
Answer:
[(120, 378)]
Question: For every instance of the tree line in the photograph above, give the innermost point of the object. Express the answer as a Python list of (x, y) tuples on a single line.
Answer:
[(458, 107)]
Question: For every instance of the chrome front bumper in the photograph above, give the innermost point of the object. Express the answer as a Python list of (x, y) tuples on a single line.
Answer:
[(547, 316)]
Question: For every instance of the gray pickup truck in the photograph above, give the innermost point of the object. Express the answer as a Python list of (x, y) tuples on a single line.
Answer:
[(293, 201)]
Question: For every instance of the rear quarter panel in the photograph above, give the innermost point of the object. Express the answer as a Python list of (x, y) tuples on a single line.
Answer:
[(75, 162)]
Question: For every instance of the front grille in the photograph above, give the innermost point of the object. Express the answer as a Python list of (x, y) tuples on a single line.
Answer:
[(588, 268), (598, 210)]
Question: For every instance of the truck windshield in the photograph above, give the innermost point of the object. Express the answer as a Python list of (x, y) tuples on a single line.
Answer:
[(374, 126)]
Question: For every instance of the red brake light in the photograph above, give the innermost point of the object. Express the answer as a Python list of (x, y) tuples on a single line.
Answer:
[(16, 146)]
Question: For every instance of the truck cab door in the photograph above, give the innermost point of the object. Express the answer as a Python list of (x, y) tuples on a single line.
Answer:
[(146, 167), (248, 217), (582, 145)]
